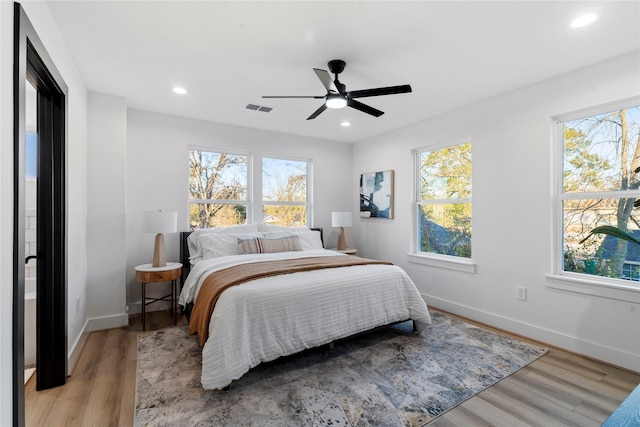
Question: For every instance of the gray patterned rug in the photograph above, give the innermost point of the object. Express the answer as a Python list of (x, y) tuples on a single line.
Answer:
[(388, 377)]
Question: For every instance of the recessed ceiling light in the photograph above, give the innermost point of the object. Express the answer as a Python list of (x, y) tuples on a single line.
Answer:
[(345, 124), (584, 20), (179, 90)]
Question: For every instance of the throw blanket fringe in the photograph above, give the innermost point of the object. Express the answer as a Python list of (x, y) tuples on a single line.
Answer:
[(218, 281)]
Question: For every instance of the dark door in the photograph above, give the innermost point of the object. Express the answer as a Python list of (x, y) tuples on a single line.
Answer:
[(33, 64)]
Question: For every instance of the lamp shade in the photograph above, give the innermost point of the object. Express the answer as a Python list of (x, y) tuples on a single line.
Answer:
[(160, 222), (341, 219)]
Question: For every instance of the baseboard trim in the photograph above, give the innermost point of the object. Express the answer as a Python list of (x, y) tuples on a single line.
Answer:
[(107, 322), (569, 343), (76, 349)]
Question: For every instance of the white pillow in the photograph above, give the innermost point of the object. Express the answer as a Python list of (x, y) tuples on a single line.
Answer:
[(215, 245), (309, 239), (265, 228), (195, 252)]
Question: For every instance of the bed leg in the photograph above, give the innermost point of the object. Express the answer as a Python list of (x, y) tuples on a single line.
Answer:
[(415, 327), (332, 344)]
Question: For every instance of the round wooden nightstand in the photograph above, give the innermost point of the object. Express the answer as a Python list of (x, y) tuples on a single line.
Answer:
[(146, 273)]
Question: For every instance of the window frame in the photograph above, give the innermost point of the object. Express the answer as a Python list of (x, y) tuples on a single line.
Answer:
[(606, 287), (309, 191), (248, 203), (449, 262)]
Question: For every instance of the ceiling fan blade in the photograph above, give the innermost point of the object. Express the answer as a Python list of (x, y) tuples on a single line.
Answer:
[(326, 80), (364, 108), (317, 112), (391, 90), (286, 96)]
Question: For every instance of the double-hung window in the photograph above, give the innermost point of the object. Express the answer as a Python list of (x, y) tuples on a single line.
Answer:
[(599, 183), (443, 200), (218, 188), (285, 195)]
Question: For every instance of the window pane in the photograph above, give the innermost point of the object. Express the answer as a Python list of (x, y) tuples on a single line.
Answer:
[(600, 254), (445, 229), (284, 180), (601, 152), (205, 215), (217, 176), (446, 173), (31, 155), (293, 216)]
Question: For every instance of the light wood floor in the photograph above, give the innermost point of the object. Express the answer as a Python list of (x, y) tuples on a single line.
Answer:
[(559, 389)]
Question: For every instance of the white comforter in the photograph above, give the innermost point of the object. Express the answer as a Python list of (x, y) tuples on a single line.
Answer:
[(277, 316)]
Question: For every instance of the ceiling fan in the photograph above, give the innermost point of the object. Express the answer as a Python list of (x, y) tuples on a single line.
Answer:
[(337, 95)]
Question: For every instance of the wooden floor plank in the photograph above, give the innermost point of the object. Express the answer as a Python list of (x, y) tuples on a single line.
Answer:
[(38, 404), (611, 372), (106, 394), (492, 414), (128, 400), (568, 365), (66, 412), (597, 413), (459, 416), (523, 410), (539, 399), (593, 392)]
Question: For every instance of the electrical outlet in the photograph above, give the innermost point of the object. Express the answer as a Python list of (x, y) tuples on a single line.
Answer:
[(77, 305), (522, 294)]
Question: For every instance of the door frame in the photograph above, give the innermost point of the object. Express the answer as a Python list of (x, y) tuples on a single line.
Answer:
[(32, 62)]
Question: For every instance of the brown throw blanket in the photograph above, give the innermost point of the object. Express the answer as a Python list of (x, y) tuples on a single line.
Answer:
[(218, 281)]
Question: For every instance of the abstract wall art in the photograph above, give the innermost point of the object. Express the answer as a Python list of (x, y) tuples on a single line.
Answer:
[(376, 195)]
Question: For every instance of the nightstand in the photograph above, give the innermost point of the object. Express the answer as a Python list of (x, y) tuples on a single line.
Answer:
[(146, 273), (346, 251)]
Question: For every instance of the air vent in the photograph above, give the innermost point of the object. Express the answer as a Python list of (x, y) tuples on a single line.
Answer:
[(259, 108)]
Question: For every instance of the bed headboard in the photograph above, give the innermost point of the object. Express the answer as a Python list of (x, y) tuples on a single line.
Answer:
[(184, 251)]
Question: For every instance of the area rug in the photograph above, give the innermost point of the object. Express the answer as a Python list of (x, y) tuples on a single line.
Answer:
[(387, 377)]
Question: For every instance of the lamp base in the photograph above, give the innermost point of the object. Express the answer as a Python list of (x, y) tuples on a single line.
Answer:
[(342, 245), (159, 258)]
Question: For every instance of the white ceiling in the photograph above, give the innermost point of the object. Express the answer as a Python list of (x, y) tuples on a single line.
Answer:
[(229, 54)]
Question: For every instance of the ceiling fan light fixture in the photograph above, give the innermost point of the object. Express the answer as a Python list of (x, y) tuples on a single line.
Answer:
[(335, 101)]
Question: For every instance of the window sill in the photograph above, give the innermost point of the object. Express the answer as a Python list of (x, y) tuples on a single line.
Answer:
[(446, 262), (587, 286)]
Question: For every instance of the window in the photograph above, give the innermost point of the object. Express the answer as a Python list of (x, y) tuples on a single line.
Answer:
[(599, 184), (285, 198), (218, 188), (444, 200)]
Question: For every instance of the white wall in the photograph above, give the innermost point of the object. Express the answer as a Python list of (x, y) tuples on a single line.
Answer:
[(106, 212), (157, 176), (512, 215), (40, 16), (6, 210)]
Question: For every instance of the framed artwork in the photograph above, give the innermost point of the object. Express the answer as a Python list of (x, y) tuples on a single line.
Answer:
[(376, 195)]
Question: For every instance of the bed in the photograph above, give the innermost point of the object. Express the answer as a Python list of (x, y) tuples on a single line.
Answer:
[(297, 295)]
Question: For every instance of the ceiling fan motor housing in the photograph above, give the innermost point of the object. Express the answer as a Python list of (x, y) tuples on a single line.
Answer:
[(336, 66)]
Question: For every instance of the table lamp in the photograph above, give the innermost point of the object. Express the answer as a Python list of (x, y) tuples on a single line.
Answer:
[(160, 222), (341, 219)]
